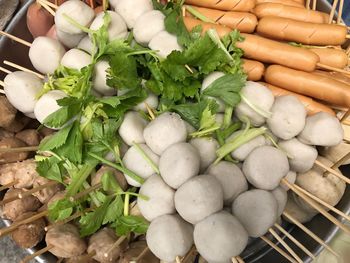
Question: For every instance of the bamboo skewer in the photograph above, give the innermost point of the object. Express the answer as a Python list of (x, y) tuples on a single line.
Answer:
[(46, 7), (279, 250), (340, 11), (142, 254), (8, 200), (295, 241), (5, 70), (307, 5), (177, 259), (9, 229), (285, 245), (19, 149), (2, 83), (341, 161), (85, 192), (116, 244), (193, 250), (314, 5), (150, 111), (332, 171), (16, 66), (55, 6), (335, 210), (68, 219), (345, 116), (333, 68), (331, 15), (6, 186), (316, 206), (17, 39), (237, 259), (36, 189), (309, 232), (38, 253)]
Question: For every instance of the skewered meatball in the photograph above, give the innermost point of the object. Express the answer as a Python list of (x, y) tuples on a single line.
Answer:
[(8, 112), (66, 241), (134, 250), (29, 235), (17, 207), (31, 137), (24, 172), (101, 242), (10, 157), (44, 195)]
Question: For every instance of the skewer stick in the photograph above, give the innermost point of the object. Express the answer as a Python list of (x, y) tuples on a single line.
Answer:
[(285, 245), (85, 192), (295, 241), (55, 6), (38, 253), (16, 66), (279, 250), (347, 36), (332, 171), (348, 50), (310, 233), (8, 200), (316, 206), (314, 5), (17, 39), (307, 5), (5, 70), (192, 252), (237, 259), (340, 11), (177, 259), (320, 65), (341, 161), (142, 254), (331, 15), (345, 116), (150, 111), (19, 149), (68, 219), (1, 90), (37, 189), (86, 257), (335, 210), (116, 244), (5, 186), (2, 83), (9, 229), (46, 7)]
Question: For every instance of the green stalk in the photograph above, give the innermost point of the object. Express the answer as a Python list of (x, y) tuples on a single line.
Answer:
[(126, 204), (146, 157), (141, 52), (124, 170), (81, 176), (199, 15), (238, 141), (227, 117), (216, 39), (256, 108), (204, 132), (231, 129), (76, 24), (92, 195)]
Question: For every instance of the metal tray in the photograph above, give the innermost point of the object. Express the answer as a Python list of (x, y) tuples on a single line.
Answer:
[(257, 250)]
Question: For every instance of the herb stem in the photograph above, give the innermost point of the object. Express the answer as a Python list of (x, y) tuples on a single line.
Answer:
[(227, 117), (204, 132), (216, 39), (126, 204), (199, 15), (76, 24), (146, 157)]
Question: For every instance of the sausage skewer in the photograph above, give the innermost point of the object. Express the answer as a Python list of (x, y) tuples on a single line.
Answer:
[(16, 66), (340, 12)]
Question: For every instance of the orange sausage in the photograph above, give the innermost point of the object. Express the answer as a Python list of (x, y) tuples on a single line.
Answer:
[(274, 52), (191, 23), (311, 105), (292, 12), (243, 21), (336, 58), (283, 2), (39, 21), (302, 2), (309, 84), (226, 5), (254, 69), (302, 32)]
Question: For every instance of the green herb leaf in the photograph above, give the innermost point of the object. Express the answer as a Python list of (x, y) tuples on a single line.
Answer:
[(126, 224)]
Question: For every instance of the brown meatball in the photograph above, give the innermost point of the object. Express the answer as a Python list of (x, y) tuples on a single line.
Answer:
[(44, 195), (5, 134), (7, 112), (120, 178), (82, 259), (101, 242), (66, 241), (44, 131), (18, 123), (134, 250), (18, 207), (24, 172), (29, 235), (11, 157), (30, 136)]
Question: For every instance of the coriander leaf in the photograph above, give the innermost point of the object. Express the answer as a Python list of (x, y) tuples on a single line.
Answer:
[(60, 209), (49, 167), (208, 115), (56, 140), (110, 184), (92, 221), (126, 224), (226, 88), (115, 210)]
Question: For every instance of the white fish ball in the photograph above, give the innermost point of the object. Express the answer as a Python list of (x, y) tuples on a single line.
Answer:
[(86, 45), (198, 198), (132, 127), (296, 211), (231, 178), (151, 101), (160, 198), (288, 117), (206, 147), (256, 210), (69, 40), (21, 89), (100, 78), (281, 196), (132, 10), (147, 26), (76, 59), (179, 163), (76, 10), (265, 167), (291, 177), (135, 162), (164, 43), (258, 95), (220, 237), (301, 156), (116, 29), (45, 54), (47, 104), (165, 130), (169, 236), (322, 129)]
